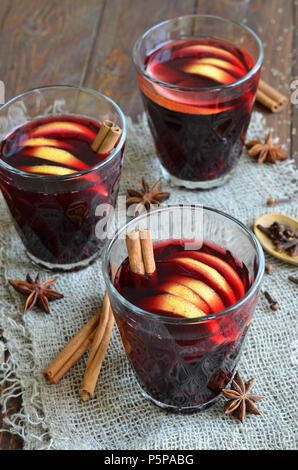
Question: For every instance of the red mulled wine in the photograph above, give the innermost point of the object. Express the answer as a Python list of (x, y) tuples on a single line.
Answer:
[(183, 365), (56, 217), (198, 118)]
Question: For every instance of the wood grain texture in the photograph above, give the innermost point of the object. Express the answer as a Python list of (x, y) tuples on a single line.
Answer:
[(46, 42), (90, 43), (111, 69)]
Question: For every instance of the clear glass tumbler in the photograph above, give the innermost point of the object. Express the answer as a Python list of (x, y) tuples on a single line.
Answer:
[(198, 76), (55, 214), (181, 364)]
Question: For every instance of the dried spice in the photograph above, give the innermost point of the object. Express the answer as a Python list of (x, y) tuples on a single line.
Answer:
[(268, 268), (273, 303), (146, 197), (283, 236), (293, 279), (266, 151), (241, 402), (38, 293), (272, 201)]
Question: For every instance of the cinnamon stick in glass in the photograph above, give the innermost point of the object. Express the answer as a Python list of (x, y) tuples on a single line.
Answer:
[(140, 251), (134, 250), (147, 251), (106, 138)]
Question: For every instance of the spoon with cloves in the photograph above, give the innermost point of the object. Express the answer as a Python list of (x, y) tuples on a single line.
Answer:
[(278, 235)]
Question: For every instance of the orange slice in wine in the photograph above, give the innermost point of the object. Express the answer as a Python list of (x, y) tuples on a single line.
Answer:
[(164, 73), (178, 100), (184, 292), (222, 64), (63, 127), (43, 142), (208, 294), (182, 102), (209, 275), (209, 71), (47, 170), (217, 52), (97, 186), (55, 155), (169, 303)]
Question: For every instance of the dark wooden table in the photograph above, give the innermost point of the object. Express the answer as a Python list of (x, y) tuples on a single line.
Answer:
[(90, 43)]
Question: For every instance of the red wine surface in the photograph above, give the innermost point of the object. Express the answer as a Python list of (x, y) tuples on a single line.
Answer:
[(56, 145), (197, 64), (187, 283)]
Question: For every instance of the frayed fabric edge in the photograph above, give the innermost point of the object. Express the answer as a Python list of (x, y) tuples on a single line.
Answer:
[(28, 421)]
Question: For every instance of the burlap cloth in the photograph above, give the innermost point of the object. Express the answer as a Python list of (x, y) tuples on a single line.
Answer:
[(118, 417)]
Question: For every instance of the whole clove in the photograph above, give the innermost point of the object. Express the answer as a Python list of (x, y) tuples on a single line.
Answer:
[(273, 303), (272, 201)]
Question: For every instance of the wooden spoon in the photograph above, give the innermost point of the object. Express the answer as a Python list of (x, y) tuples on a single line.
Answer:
[(266, 220)]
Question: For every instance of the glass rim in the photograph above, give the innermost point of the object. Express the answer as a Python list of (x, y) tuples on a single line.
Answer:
[(78, 174), (168, 319), (250, 73)]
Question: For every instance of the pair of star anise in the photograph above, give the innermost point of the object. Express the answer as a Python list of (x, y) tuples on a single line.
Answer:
[(265, 151)]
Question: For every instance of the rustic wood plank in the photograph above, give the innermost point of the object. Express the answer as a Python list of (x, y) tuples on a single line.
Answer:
[(46, 42)]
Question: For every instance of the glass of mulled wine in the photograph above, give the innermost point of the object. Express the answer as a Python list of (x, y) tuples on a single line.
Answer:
[(183, 326), (198, 76), (54, 174)]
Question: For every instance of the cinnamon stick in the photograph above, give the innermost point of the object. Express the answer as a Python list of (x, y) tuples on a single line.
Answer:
[(270, 98), (106, 138), (147, 251), (99, 346), (103, 320), (72, 352), (134, 250), (92, 371)]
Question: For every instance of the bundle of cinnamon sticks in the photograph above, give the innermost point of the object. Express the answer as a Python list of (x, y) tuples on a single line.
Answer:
[(97, 334), (106, 138), (270, 98), (140, 251)]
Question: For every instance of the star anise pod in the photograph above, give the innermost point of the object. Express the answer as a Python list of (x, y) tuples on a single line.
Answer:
[(38, 293), (146, 197), (268, 151), (240, 400)]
